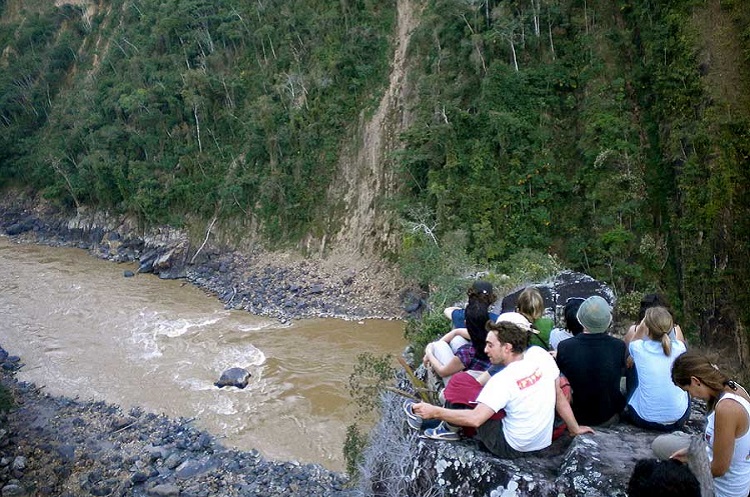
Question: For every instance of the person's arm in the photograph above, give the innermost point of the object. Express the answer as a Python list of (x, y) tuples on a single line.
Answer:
[(483, 378), (460, 332), (448, 312), (641, 332), (729, 415), (681, 455), (629, 335), (461, 417), (679, 335), (562, 406)]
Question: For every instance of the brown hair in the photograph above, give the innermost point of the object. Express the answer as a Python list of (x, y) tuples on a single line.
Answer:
[(692, 364), (507, 332), (530, 303), (659, 322)]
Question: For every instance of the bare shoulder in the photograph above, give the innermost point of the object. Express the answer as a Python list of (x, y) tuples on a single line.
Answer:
[(729, 408)]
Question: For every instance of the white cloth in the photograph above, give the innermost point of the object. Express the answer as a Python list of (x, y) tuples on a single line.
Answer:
[(557, 335), (445, 352), (458, 342), (656, 398), (736, 481), (526, 390)]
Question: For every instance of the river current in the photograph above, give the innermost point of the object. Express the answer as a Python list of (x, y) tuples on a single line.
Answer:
[(84, 330)]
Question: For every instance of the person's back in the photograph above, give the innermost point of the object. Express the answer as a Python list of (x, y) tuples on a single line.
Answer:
[(593, 363), (656, 402), (572, 326), (655, 398)]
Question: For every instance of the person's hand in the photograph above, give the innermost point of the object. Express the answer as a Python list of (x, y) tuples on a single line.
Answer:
[(581, 430), (681, 455), (629, 362), (423, 410)]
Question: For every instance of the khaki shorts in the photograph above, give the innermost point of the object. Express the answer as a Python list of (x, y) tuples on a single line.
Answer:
[(492, 436)]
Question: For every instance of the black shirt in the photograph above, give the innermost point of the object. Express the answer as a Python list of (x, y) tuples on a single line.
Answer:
[(593, 364)]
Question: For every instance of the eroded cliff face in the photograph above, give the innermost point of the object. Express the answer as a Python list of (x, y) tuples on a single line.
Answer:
[(362, 226)]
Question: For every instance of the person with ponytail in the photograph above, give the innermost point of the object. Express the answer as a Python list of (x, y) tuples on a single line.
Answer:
[(727, 432), (656, 404)]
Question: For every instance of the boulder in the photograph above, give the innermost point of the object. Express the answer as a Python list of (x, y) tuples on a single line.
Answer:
[(557, 290), (234, 377), (146, 261), (19, 227)]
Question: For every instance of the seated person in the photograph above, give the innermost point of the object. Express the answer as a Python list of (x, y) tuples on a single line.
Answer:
[(649, 300), (481, 291), (593, 362), (527, 390), (727, 429), (652, 300), (530, 303), (656, 403), (572, 326), (463, 348)]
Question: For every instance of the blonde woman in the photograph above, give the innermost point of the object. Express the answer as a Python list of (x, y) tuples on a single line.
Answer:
[(530, 304), (656, 403), (649, 300)]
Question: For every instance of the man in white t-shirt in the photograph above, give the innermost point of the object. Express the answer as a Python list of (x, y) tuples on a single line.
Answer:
[(527, 389)]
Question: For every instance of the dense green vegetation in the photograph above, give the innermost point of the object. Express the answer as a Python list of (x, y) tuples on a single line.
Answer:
[(212, 108), (613, 135), (600, 137)]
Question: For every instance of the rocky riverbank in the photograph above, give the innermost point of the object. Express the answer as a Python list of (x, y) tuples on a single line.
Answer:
[(53, 446), (65, 447), (281, 285)]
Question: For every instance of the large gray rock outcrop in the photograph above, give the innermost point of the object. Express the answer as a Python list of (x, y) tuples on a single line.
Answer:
[(400, 463), (560, 288)]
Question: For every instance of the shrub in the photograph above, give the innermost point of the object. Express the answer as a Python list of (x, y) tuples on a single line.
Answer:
[(6, 399)]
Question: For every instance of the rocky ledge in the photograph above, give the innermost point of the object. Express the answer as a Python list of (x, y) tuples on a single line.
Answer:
[(400, 463), (52, 446)]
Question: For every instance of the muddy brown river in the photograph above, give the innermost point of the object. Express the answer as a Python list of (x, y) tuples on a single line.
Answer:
[(83, 330)]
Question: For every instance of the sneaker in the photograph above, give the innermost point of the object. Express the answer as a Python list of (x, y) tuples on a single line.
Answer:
[(444, 431), (414, 421)]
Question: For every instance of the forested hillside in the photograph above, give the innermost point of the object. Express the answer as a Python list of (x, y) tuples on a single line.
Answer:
[(612, 134)]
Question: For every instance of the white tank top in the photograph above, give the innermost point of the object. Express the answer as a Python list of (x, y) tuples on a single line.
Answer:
[(736, 481)]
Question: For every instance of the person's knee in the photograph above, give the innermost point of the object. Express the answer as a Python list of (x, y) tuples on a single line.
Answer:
[(664, 446)]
